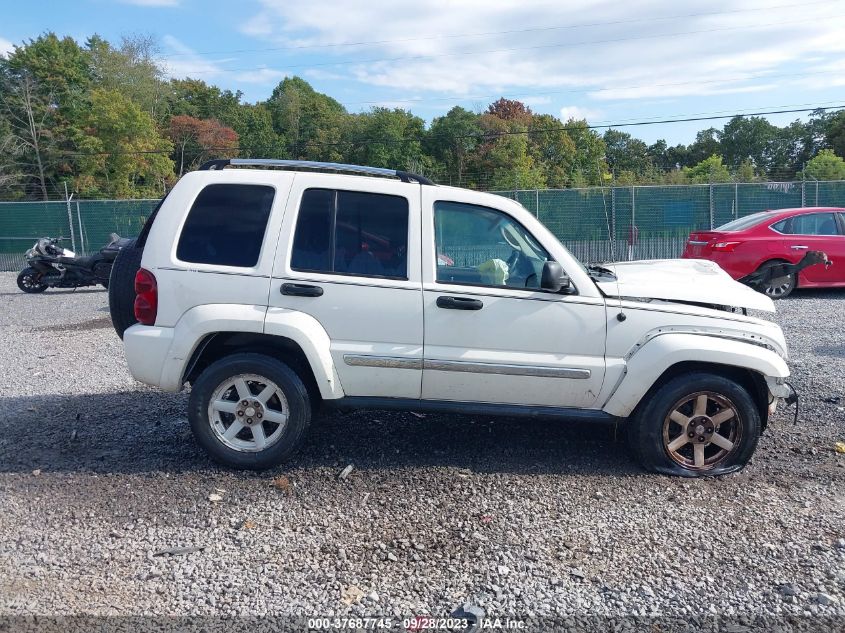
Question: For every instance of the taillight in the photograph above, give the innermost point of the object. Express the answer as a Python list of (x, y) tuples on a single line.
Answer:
[(146, 297), (724, 247)]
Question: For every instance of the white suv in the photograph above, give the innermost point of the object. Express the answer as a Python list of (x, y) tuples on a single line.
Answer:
[(272, 287)]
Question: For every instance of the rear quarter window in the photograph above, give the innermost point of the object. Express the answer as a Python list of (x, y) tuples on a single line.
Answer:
[(226, 225)]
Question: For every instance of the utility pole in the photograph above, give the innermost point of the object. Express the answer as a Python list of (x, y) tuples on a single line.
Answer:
[(70, 219)]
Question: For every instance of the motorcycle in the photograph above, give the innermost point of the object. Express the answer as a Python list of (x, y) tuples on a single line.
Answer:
[(51, 266)]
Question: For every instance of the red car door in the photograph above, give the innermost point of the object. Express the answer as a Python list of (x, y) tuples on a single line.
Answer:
[(818, 231)]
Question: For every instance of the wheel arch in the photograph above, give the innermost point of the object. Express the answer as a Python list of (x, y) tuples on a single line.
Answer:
[(778, 260), (665, 357), (219, 345), (752, 381)]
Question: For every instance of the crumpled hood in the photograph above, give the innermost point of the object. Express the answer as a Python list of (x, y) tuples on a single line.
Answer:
[(693, 280)]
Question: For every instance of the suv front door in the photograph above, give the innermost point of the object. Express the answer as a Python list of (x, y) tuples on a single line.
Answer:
[(491, 334), (347, 254)]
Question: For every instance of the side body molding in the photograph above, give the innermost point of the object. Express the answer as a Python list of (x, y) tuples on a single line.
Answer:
[(307, 332), (660, 353)]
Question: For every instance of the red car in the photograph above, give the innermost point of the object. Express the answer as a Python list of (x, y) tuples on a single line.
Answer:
[(749, 244)]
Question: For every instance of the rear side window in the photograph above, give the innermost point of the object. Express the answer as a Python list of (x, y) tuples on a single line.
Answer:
[(226, 225), (809, 224), (351, 233), (740, 224)]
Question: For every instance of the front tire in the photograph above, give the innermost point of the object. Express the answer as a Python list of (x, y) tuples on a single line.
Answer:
[(696, 424), (249, 411), (29, 280)]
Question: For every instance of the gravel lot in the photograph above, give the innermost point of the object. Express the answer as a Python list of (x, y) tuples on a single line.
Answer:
[(526, 519)]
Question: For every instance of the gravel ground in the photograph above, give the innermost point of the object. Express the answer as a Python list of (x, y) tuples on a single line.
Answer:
[(524, 518)]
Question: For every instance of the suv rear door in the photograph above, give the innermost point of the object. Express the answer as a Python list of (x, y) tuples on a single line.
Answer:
[(349, 255), (491, 334)]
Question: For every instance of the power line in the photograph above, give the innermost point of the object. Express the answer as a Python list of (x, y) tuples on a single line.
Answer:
[(512, 49), (488, 33)]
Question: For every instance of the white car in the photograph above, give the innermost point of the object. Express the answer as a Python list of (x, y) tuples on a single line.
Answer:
[(272, 287)]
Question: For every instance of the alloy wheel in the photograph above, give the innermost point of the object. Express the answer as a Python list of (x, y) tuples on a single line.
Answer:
[(248, 412)]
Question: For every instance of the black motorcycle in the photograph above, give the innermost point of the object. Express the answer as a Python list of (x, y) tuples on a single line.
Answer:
[(51, 266)]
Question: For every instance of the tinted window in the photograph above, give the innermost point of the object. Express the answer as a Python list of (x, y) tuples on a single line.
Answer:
[(740, 224), (226, 225), (477, 245), (351, 233), (809, 224)]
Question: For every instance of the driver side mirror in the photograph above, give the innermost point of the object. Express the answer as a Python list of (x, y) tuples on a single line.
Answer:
[(554, 279)]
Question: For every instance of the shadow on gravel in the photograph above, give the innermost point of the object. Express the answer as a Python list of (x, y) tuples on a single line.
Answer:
[(52, 292), (141, 431)]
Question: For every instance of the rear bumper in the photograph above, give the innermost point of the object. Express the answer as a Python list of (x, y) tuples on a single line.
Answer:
[(736, 269), (147, 350)]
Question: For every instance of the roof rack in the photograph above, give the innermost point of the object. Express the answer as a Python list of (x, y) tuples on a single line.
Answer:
[(404, 176)]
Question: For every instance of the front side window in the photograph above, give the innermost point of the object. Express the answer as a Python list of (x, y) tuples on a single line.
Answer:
[(809, 224), (351, 233), (226, 225), (482, 246)]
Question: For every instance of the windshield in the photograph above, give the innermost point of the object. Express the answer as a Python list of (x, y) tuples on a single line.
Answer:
[(747, 222)]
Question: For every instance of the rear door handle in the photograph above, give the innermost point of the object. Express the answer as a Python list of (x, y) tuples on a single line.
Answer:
[(301, 290), (800, 248), (459, 303)]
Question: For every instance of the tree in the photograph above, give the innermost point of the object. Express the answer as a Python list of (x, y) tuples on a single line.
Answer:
[(510, 110), (552, 150), (706, 144), (387, 138), (130, 69), (747, 138), (707, 171), (826, 166), (194, 97), (451, 139), (196, 140), (310, 124), (623, 152), (124, 155), (589, 167), (43, 89), (257, 138)]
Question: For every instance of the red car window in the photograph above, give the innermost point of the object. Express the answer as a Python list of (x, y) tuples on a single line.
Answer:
[(809, 224)]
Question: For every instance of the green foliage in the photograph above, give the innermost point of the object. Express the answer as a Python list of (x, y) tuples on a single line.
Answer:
[(826, 166), (386, 138), (709, 170), (125, 157)]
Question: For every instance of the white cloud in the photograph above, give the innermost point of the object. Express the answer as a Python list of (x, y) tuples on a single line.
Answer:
[(612, 51), (188, 63), (5, 46), (153, 3), (577, 112)]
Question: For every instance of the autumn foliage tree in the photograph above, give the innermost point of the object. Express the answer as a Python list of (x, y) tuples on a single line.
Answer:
[(196, 140)]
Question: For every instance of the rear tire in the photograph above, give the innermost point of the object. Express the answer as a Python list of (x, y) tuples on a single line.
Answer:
[(121, 287), (29, 280), (719, 413), (781, 287), (235, 420)]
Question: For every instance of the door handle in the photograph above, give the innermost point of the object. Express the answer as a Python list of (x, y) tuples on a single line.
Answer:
[(301, 290), (800, 248), (459, 303)]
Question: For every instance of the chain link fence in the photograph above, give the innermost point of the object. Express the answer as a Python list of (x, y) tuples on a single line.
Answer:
[(653, 221), (597, 224)]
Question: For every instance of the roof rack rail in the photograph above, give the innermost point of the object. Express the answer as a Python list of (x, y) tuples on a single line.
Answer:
[(404, 176)]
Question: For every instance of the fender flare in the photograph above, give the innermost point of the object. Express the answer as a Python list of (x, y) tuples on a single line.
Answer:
[(312, 338), (662, 352)]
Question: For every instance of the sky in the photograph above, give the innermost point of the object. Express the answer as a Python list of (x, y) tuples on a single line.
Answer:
[(609, 62)]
